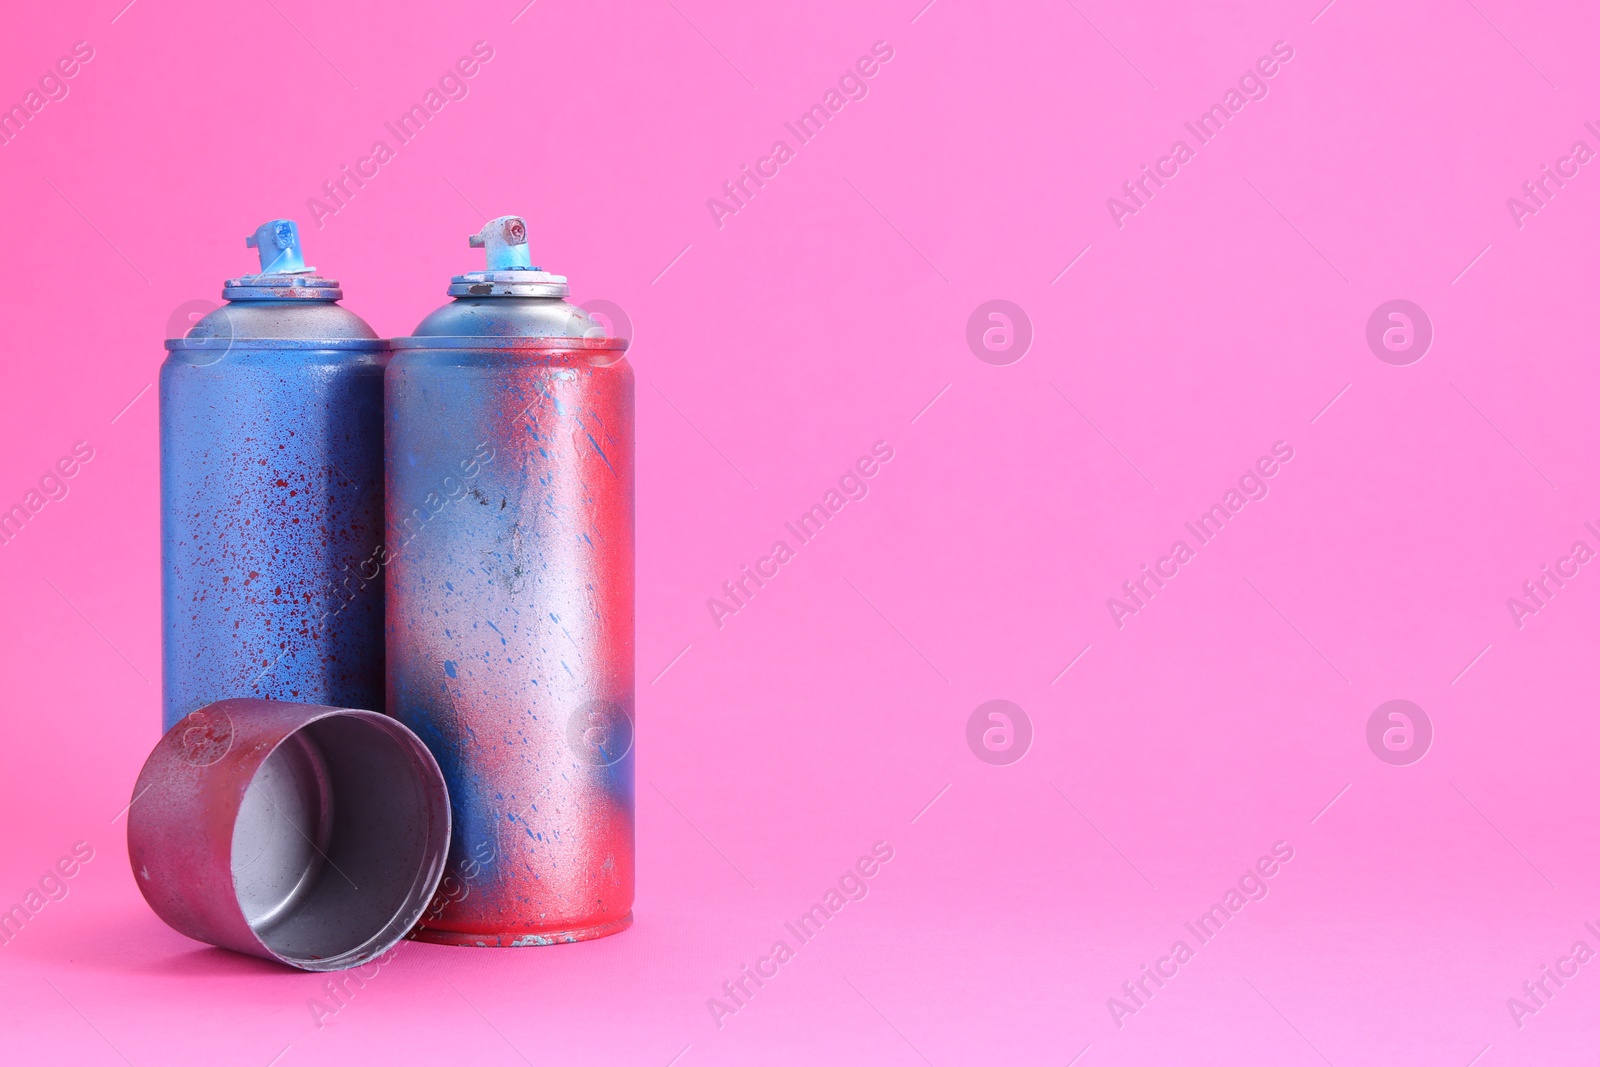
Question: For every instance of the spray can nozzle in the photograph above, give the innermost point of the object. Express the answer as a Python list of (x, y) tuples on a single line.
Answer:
[(278, 243), (505, 243)]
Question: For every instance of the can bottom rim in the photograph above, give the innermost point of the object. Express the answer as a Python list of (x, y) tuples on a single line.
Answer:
[(517, 939)]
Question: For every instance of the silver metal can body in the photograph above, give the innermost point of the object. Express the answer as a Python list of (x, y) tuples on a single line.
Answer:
[(509, 436)]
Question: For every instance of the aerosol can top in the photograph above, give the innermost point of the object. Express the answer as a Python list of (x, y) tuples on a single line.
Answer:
[(284, 274), (285, 307), (510, 270), (512, 305)]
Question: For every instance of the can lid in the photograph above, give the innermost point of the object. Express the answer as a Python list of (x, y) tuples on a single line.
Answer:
[(311, 835), (284, 274), (510, 270)]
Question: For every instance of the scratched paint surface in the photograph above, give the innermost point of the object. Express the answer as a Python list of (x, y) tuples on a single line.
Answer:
[(272, 490), (510, 625)]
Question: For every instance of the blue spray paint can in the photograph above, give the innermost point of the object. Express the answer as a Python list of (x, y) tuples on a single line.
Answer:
[(272, 494)]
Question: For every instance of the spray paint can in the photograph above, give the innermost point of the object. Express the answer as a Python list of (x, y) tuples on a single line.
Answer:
[(509, 435), (272, 494)]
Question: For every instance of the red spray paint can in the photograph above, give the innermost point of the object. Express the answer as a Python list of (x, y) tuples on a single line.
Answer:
[(509, 548)]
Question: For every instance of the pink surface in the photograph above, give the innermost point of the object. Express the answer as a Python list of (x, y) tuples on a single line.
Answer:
[(775, 345)]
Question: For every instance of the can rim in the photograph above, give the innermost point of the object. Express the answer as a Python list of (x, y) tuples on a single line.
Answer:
[(303, 344), (425, 882), (533, 344)]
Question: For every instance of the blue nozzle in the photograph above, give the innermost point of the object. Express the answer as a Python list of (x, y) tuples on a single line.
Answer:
[(505, 242), (278, 242)]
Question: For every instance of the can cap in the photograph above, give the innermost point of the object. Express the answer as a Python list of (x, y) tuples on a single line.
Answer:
[(285, 307), (284, 274), (512, 305), (310, 835), (510, 270)]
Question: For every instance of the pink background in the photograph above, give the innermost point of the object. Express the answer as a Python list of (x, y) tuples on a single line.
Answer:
[(823, 317)]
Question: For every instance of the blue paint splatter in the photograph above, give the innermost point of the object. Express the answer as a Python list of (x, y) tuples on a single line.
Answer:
[(598, 449)]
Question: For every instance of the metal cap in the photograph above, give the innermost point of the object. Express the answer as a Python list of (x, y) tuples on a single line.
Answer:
[(284, 274), (310, 835)]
